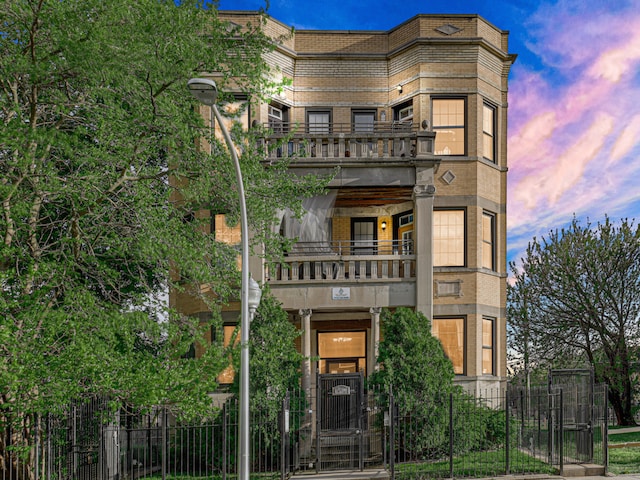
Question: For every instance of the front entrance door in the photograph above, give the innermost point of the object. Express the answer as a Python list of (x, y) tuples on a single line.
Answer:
[(340, 421), (363, 236)]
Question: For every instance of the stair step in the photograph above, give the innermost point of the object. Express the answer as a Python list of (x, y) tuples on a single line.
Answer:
[(582, 470)]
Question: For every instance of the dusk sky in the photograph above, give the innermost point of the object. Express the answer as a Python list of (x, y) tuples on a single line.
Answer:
[(574, 98)]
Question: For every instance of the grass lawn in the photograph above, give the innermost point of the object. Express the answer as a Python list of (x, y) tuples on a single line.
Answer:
[(479, 464), (625, 459)]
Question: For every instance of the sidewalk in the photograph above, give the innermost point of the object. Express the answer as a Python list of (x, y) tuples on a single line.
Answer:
[(382, 474)]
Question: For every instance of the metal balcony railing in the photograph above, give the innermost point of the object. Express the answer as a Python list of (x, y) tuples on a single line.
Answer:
[(338, 140), (346, 261)]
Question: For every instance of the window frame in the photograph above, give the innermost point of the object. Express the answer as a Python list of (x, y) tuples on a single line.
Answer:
[(486, 106), (491, 242), (464, 237), (464, 126), (319, 111), (363, 111), (463, 319), (491, 348), (405, 123)]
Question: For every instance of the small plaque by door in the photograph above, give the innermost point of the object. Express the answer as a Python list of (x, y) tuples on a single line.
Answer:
[(341, 390)]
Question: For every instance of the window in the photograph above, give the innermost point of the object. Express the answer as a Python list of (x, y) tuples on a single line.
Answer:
[(342, 352), (487, 346), (450, 332), (405, 219), (363, 120), (407, 242), (227, 375), (488, 241), (449, 125), (488, 132), (319, 122), (405, 114), (448, 238), (276, 119)]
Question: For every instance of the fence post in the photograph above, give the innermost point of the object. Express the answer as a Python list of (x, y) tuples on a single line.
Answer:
[(561, 439), (392, 421), (102, 445), (48, 449), (284, 437), (224, 441), (36, 421), (450, 435), (507, 435), (605, 430), (165, 439)]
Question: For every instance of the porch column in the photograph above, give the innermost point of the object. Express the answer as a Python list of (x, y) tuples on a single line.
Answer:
[(423, 207), (375, 339), (305, 315)]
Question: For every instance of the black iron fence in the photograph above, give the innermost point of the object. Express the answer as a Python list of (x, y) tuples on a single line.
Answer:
[(454, 435)]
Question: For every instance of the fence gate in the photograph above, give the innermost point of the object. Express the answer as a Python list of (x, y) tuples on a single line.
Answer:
[(577, 413), (340, 422)]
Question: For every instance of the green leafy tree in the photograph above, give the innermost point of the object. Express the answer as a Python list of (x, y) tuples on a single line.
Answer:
[(414, 365), (575, 302), (274, 365), (102, 192), (274, 361), (412, 359)]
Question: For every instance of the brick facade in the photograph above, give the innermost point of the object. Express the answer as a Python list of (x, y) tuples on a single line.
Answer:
[(426, 58)]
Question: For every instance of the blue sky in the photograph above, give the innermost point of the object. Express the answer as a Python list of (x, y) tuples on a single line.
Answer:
[(574, 98)]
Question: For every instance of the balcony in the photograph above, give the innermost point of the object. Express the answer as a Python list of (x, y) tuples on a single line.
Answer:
[(346, 261), (382, 140)]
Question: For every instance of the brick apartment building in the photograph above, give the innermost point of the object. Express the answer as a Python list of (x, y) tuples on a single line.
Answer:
[(416, 120)]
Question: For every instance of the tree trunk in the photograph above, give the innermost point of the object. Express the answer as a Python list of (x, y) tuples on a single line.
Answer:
[(622, 408)]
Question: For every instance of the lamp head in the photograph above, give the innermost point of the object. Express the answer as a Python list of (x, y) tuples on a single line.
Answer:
[(399, 88), (255, 293), (204, 89), (383, 225)]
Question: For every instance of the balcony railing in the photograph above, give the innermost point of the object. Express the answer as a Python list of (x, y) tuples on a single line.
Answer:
[(337, 140), (346, 261)]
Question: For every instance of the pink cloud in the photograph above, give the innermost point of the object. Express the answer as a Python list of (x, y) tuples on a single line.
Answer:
[(581, 112), (626, 141)]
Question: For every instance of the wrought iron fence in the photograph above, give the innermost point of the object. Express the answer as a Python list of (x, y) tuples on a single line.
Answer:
[(444, 436)]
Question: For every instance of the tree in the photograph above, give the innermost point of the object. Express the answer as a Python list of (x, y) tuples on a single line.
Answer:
[(575, 300), (412, 360), (413, 363), (96, 119), (274, 362)]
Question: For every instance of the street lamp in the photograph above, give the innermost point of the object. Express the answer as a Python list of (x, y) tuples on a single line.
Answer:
[(206, 91)]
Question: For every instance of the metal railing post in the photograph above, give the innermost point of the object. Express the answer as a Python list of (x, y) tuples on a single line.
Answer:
[(224, 441), (561, 428), (451, 435), (605, 430), (507, 466), (392, 421), (284, 437), (164, 443)]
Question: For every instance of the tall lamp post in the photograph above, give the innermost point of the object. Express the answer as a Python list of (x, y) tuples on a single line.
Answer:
[(206, 91)]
